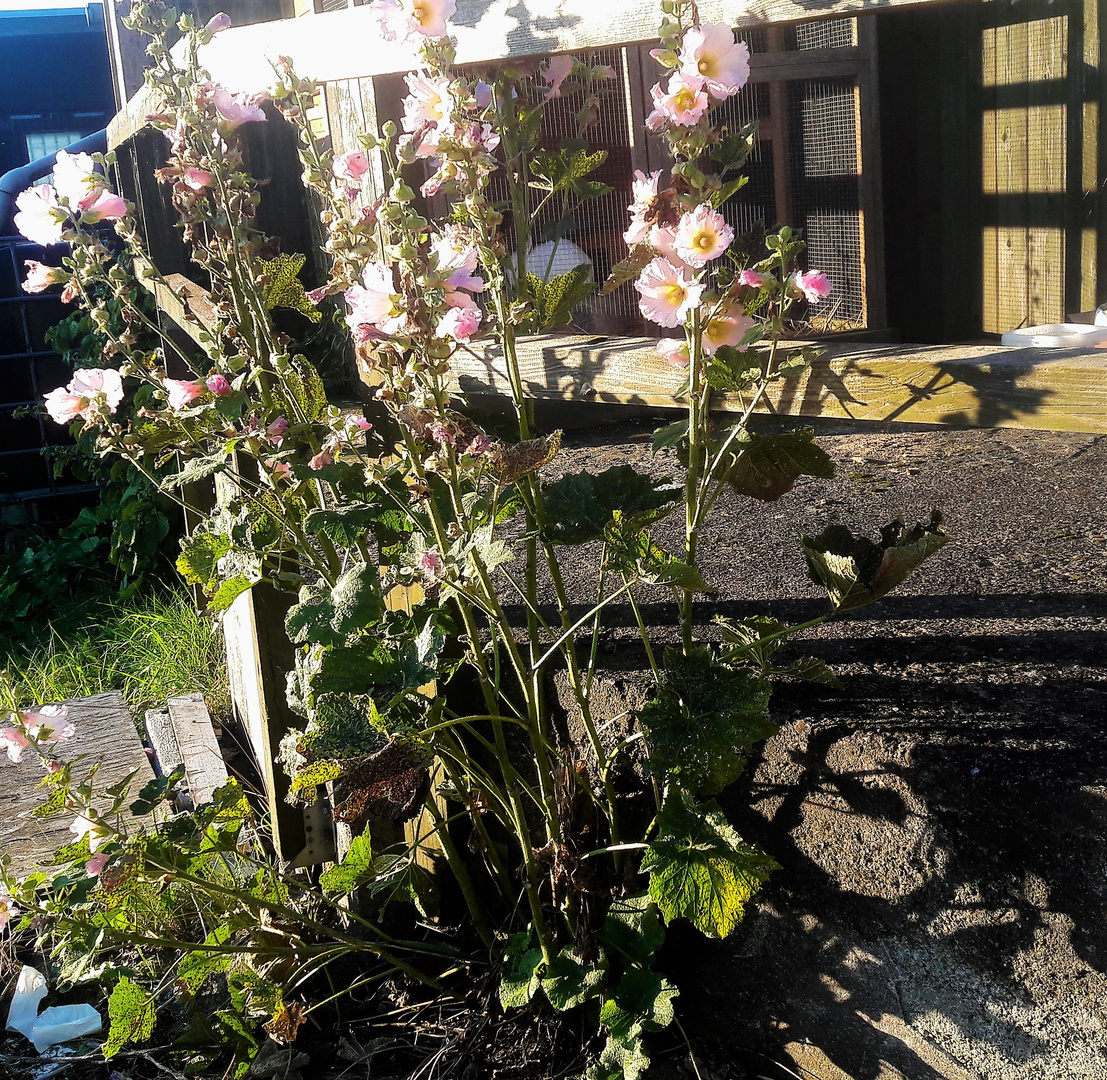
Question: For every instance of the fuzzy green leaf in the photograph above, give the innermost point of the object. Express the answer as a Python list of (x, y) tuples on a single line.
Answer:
[(312, 619), (580, 506), (701, 869), (132, 1015), (620, 1060), (632, 930), (569, 981), (555, 299), (200, 555), (702, 718), (354, 870), (357, 599), (229, 591), (285, 288), (643, 1001), (521, 979), (632, 551), (197, 468), (855, 571), (344, 524), (767, 466)]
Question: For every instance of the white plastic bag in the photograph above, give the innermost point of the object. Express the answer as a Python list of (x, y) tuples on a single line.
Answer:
[(58, 1024)]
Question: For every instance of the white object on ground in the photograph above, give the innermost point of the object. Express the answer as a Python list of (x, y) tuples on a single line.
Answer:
[(58, 1024), (1058, 336), (1101, 315)]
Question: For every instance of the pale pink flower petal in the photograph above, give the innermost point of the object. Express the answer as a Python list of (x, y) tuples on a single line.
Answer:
[(711, 52), (644, 189), (752, 279), (103, 386), (556, 72), (235, 109), (63, 406), (429, 17), (674, 351), (702, 235), (371, 304), (726, 328), (40, 276), (459, 323), (197, 179), (8, 910), (76, 179), (322, 460), (218, 23), (14, 740), (682, 101), (351, 167), (39, 217), (277, 430), (667, 293), (430, 563), (96, 832), (107, 207), (218, 384), (814, 285), (663, 241), (96, 864), (182, 392)]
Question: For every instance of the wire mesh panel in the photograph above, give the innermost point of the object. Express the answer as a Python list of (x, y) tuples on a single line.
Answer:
[(821, 34), (754, 206), (826, 170)]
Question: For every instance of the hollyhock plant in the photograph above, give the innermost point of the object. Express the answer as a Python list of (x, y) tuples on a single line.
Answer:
[(682, 101), (667, 293), (238, 109), (39, 217), (460, 323), (556, 72), (428, 108), (197, 179), (351, 167), (92, 394), (702, 235), (40, 276), (711, 53), (218, 384), (14, 740), (371, 302), (180, 393), (751, 279), (814, 285), (644, 189), (76, 179)]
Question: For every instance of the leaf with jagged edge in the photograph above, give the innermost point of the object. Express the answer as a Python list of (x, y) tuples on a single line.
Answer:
[(643, 1001), (628, 269), (132, 1015), (570, 981), (522, 966), (312, 618), (197, 468), (285, 288), (354, 870), (580, 506), (301, 383), (620, 1060), (557, 170), (556, 298), (632, 931), (702, 718), (200, 555), (632, 550), (856, 571), (766, 467), (700, 868), (230, 590), (357, 599)]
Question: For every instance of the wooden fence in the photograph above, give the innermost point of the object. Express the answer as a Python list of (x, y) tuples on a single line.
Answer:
[(960, 385)]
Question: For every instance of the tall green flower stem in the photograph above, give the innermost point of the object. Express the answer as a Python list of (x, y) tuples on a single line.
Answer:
[(697, 461)]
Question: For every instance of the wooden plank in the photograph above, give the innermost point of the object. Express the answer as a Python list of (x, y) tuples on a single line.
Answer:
[(183, 301), (105, 732), (205, 770), (960, 385), (348, 45)]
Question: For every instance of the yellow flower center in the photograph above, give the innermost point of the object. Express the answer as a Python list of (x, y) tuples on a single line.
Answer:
[(702, 241), (675, 294), (704, 66), (686, 100)]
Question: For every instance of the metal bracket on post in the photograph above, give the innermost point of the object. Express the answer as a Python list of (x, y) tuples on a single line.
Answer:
[(319, 841)]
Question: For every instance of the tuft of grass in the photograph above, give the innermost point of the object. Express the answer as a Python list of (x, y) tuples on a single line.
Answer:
[(149, 649)]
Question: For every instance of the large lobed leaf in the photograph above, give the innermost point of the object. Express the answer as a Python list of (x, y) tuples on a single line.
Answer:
[(580, 506), (702, 718), (855, 571), (701, 869), (767, 466)]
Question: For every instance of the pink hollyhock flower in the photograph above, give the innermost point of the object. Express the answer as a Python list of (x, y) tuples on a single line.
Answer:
[(14, 740), (322, 460), (63, 406), (278, 470), (711, 52), (351, 167), (236, 109), (429, 17), (96, 864), (197, 179), (40, 219), (107, 207), (76, 179), (674, 351), (317, 296), (430, 563), (480, 445), (372, 304), (663, 241), (644, 190), (454, 251), (48, 725), (702, 235), (40, 276), (728, 327), (682, 101), (428, 109), (556, 72), (752, 279), (443, 435), (218, 23), (96, 832), (277, 430), (814, 285), (390, 19), (182, 392), (459, 323), (8, 910), (218, 384), (667, 293)]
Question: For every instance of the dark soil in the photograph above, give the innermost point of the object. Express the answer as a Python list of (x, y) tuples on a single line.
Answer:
[(941, 821)]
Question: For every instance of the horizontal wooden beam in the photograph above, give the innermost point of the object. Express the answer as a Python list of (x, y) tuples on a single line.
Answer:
[(348, 45), (958, 385), (183, 301)]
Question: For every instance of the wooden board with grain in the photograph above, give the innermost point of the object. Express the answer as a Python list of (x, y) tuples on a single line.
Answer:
[(347, 45), (105, 732), (958, 385), (205, 770)]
